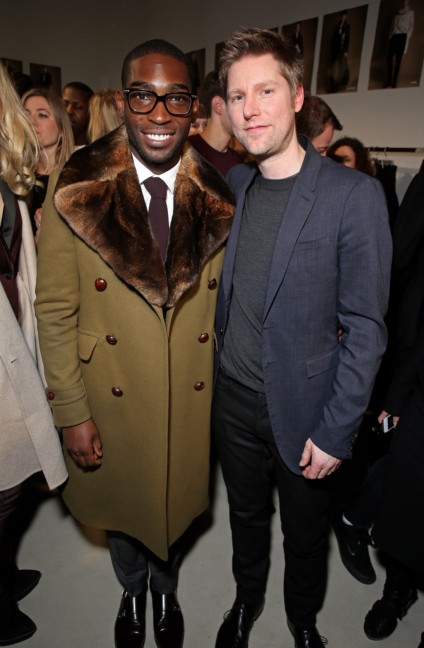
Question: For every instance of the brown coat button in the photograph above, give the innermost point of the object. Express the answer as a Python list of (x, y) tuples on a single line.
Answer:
[(198, 386), (117, 391), (204, 337), (212, 284), (100, 284), (111, 339), (50, 395)]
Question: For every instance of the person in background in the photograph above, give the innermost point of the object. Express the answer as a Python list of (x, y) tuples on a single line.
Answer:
[(138, 228), (352, 153), (213, 143), (28, 439), (317, 121), (54, 133), (104, 115), (199, 124), (76, 99), (300, 332), (400, 33)]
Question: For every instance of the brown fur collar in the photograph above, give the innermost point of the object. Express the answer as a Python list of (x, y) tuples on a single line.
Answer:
[(99, 197)]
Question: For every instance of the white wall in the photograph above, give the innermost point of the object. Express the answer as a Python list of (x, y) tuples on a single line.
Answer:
[(88, 39)]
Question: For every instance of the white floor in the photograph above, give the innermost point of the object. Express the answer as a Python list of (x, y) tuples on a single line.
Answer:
[(76, 602)]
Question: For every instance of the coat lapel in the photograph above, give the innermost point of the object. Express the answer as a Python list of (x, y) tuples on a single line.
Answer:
[(99, 196)]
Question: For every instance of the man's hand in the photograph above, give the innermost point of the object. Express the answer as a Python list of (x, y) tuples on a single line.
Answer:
[(83, 443), (317, 464), (384, 414)]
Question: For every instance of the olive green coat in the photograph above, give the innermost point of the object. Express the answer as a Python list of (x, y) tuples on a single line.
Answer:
[(108, 351)]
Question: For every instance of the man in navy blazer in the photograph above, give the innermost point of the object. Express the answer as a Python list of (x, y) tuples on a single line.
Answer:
[(300, 329)]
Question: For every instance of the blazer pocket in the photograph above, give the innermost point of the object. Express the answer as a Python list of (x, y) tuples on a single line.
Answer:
[(311, 245), (321, 363), (86, 344)]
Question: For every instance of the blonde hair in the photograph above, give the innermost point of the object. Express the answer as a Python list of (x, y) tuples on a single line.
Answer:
[(104, 115), (65, 144), (19, 150)]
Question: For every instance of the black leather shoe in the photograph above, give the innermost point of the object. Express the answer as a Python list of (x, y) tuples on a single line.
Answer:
[(168, 622), (130, 625), (238, 622), (15, 626), (381, 620), (422, 641), (306, 637), (24, 582), (354, 551)]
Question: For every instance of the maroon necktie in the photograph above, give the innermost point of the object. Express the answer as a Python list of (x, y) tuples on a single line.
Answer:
[(158, 212)]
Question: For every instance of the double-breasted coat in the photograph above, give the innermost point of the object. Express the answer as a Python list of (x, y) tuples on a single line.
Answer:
[(109, 351)]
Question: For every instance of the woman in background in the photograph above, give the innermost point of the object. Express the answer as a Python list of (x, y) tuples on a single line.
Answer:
[(104, 116), (54, 133), (352, 153), (28, 440)]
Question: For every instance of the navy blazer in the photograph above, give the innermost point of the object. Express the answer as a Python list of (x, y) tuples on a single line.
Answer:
[(330, 267)]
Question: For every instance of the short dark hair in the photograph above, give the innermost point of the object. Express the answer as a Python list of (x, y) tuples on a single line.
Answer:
[(158, 46), (255, 42), (211, 88), (82, 87), (313, 117)]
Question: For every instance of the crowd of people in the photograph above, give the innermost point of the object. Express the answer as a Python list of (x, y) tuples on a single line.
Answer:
[(240, 294)]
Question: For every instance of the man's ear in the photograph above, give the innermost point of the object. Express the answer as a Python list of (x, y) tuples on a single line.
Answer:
[(218, 105), (120, 103)]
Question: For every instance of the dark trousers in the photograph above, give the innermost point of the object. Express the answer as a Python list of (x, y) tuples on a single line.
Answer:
[(397, 44), (133, 562), (245, 443), (9, 500)]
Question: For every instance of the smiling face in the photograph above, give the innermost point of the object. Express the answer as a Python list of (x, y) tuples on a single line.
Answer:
[(156, 139), (45, 125), (261, 107)]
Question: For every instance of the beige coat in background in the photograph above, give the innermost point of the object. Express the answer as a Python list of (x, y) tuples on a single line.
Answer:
[(29, 441)]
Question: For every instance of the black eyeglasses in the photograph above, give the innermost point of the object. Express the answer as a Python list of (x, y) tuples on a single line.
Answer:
[(178, 104)]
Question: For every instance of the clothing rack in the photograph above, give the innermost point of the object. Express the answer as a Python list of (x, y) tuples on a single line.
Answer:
[(395, 149)]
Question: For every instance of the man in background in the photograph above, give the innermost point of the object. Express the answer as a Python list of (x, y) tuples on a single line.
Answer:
[(76, 99), (317, 122), (213, 143)]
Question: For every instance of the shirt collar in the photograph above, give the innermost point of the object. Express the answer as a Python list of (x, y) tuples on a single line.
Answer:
[(168, 177)]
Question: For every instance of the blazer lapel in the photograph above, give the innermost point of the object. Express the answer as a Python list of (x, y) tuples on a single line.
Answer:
[(232, 243), (297, 212)]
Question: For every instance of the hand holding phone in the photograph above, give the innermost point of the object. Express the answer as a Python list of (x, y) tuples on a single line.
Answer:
[(387, 424)]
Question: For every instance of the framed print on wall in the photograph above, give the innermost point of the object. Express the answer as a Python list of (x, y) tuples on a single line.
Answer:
[(303, 36)]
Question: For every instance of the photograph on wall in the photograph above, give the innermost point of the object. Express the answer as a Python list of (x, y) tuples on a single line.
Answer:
[(197, 58), (398, 52), (341, 48), (46, 76), (303, 36)]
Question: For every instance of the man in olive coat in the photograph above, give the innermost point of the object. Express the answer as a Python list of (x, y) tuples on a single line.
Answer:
[(127, 337)]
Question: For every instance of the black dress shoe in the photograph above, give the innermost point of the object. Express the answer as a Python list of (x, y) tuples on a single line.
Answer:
[(24, 582), (422, 641), (130, 625), (168, 622), (306, 637), (381, 620), (238, 622), (15, 626), (354, 551)]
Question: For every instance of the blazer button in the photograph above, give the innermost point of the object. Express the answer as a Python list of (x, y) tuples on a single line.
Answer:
[(212, 284), (50, 395), (100, 284), (198, 386), (117, 391), (204, 337), (221, 331), (111, 339)]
